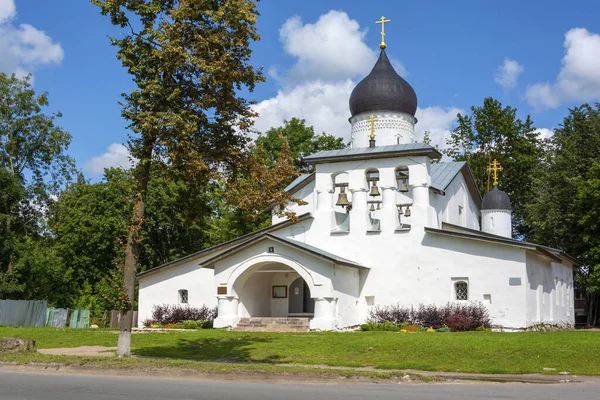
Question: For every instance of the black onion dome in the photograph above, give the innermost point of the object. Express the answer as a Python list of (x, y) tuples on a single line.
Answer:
[(383, 90), (495, 199)]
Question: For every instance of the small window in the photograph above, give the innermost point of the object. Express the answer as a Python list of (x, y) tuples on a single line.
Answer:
[(461, 290), (183, 296)]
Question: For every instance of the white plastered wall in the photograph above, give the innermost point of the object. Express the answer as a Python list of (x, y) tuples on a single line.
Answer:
[(447, 205), (549, 291), (162, 287)]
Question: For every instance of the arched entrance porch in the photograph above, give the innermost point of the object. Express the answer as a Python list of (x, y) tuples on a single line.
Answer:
[(276, 286)]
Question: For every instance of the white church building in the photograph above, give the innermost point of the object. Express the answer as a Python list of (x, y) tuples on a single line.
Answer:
[(383, 224)]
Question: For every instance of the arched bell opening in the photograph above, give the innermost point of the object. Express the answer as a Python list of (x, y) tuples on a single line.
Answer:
[(403, 197), (343, 203)]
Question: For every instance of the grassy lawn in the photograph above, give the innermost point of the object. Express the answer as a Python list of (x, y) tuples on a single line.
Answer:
[(486, 352)]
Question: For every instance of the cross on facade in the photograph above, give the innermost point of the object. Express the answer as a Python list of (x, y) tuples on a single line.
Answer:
[(494, 168), (372, 120), (382, 21)]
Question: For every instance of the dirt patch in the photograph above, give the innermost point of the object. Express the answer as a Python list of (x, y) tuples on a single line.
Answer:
[(83, 351)]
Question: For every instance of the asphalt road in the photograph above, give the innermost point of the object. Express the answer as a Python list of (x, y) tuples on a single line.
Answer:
[(33, 386)]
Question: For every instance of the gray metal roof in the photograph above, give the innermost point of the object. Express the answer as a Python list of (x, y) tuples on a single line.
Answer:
[(304, 178), (496, 199), (362, 153), (443, 173), (315, 250)]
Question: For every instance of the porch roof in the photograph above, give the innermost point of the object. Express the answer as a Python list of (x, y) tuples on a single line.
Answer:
[(314, 251), (206, 254)]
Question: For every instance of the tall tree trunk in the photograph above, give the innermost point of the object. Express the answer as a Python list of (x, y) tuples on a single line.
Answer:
[(132, 250)]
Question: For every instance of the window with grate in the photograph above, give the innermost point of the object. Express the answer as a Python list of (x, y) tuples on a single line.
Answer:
[(183, 296), (461, 290)]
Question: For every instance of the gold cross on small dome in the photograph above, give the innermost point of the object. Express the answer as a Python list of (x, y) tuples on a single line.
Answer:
[(494, 168), (372, 120), (382, 21)]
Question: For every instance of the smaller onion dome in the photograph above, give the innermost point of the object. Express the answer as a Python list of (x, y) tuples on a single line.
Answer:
[(496, 199), (383, 90)]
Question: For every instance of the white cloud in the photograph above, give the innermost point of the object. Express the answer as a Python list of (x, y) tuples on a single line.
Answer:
[(7, 10), (116, 155), (579, 76), (331, 49), (330, 54), (23, 47), (544, 133), (508, 73), (439, 121), (322, 105)]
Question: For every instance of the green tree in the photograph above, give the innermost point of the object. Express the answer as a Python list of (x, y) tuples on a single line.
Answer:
[(32, 147), (189, 61), (495, 132), (301, 139), (565, 210)]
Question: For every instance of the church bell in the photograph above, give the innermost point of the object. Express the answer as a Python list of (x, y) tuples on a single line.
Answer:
[(403, 186), (407, 212), (342, 200), (374, 190)]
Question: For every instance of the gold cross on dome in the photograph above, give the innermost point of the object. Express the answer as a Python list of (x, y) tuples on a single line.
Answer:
[(372, 120), (382, 21), (494, 168)]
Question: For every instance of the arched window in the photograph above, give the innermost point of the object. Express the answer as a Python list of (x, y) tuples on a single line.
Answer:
[(183, 296), (461, 290)]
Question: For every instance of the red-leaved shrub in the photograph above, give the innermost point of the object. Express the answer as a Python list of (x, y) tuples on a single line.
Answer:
[(172, 314), (471, 315)]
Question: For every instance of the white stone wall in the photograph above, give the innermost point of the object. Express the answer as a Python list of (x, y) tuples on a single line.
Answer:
[(497, 222), (162, 287), (447, 206), (390, 128), (549, 291)]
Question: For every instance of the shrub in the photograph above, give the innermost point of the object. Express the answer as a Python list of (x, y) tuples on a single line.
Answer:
[(205, 324), (148, 322), (376, 326), (190, 324), (171, 314), (456, 316), (460, 322), (395, 314), (412, 328), (444, 329), (170, 326)]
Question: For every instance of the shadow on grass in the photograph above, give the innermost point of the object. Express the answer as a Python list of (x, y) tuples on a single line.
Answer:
[(235, 349)]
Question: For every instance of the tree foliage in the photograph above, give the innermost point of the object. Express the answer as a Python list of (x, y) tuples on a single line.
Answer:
[(494, 132), (301, 141), (565, 211), (188, 60), (30, 141)]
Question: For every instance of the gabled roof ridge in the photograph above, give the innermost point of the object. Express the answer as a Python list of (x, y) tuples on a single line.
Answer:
[(241, 239)]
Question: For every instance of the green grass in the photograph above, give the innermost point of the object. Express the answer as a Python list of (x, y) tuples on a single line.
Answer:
[(485, 352)]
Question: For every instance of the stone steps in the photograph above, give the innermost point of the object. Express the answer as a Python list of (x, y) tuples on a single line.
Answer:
[(268, 324)]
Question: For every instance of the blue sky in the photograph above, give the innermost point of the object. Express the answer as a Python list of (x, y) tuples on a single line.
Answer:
[(538, 56)]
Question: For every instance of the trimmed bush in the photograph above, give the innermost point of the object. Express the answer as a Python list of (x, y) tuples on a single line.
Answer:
[(376, 326), (457, 317), (172, 314), (190, 324)]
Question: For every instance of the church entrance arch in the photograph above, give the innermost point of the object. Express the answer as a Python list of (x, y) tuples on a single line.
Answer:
[(300, 301)]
